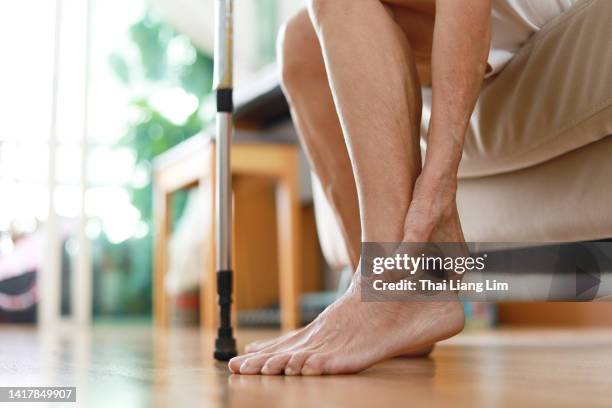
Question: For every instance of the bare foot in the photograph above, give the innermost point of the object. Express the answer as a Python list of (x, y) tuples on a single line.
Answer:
[(351, 335), (259, 345)]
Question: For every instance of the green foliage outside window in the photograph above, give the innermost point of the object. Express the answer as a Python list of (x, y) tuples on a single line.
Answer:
[(123, 272), (166, 60)]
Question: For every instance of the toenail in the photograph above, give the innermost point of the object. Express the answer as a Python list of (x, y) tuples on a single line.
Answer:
[(289, 371)]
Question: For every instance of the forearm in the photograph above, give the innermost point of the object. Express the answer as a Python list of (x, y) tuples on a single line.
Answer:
[(459, 61)]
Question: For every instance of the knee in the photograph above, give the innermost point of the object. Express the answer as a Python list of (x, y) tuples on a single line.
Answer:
[(297, 49)]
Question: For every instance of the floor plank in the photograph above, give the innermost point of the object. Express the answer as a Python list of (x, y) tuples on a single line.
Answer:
[(115, 366)]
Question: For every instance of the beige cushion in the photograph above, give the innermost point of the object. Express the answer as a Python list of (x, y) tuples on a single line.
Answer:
[(565, 199)]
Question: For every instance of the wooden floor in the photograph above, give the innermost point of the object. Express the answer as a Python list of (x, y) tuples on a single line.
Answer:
[(134, 366)]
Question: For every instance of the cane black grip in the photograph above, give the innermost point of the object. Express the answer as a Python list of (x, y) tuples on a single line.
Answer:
[(225, 100)]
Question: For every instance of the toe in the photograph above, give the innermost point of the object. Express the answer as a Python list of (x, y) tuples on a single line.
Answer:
[(295, 363), (254, 364), (235, 363), (314, 365), (276, 365)]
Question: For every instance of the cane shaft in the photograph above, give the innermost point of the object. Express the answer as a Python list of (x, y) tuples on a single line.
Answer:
[(225, 344), (224, 44), (223, 190)]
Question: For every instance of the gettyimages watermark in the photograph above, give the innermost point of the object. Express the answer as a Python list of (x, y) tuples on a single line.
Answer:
[(488, 272)]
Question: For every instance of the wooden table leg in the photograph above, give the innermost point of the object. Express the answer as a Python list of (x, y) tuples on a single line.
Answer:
[(289, 245), (163, 211), (277, 163)]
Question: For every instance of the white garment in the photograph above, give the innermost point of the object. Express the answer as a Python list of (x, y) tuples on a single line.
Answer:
[(514, 21)]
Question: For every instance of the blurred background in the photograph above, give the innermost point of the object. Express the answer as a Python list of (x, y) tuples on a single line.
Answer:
[(98, 100), (90, 92), (107, 123)]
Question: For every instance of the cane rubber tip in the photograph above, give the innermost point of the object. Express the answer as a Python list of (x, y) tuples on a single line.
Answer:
[(224, 355), (225, 348)]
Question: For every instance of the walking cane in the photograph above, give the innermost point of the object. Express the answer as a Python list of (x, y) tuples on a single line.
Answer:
[(225, 344)]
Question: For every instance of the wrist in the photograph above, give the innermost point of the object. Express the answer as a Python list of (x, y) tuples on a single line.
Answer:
[(437, 196), (444, 152), (441, 180)]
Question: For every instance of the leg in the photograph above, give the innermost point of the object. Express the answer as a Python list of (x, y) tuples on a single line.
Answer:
[(378, 103), (312, 109), (313, 112), (289, 242), (306, 86), (163, 211), (305, 83)]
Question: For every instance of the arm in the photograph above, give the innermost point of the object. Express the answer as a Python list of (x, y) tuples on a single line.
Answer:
[(459, 60)]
